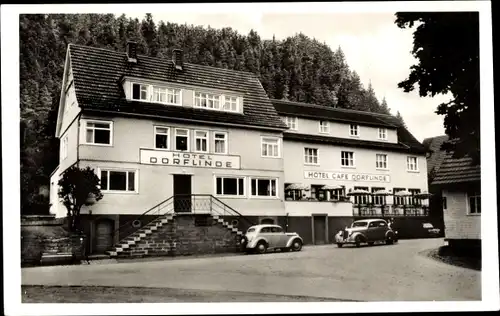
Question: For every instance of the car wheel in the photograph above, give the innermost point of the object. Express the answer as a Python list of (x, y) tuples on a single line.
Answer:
[(296, 245), (357, 241), (261, 247), (389, 240), (370, 243), (339, 245)]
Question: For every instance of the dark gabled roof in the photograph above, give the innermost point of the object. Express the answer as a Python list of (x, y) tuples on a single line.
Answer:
[(453, 171), (97, 74), (350, 142), (312, 111), (436, 155)]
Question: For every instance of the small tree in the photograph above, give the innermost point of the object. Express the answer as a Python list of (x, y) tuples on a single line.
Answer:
[(75, 188)]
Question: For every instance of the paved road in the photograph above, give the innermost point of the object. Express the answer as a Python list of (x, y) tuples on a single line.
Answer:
[(379, 273)]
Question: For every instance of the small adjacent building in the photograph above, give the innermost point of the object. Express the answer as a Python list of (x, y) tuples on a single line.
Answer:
[(459, 181)]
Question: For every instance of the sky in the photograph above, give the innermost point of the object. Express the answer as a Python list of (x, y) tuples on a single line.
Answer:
[(373, 45)]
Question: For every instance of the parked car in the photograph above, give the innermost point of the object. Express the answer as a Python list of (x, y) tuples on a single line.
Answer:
[(431, 230), (366, 231), (261, 238)]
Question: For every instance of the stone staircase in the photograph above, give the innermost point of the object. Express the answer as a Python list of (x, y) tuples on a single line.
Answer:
[(164, 236)]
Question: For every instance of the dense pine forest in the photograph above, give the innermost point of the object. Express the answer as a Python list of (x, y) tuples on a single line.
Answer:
[(297, 68)]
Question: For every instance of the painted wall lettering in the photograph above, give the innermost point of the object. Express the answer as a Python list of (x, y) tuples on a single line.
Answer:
[(327, 175), (170, 158)]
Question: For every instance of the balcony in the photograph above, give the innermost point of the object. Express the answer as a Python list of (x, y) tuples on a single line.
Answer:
[(390, 210)]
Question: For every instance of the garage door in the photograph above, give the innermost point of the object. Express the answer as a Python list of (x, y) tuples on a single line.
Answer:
[(104, 235), (319, 229)]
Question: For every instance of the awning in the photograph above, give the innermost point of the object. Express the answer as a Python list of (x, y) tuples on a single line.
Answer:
[(358, 192), (382, 192), (297, 186), (402, 193), (331, 187)]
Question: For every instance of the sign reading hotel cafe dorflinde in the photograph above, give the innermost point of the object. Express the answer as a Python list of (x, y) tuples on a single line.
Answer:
[(187, 159), (342, 176)]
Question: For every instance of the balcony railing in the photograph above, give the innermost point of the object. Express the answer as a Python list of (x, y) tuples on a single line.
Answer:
[(389, 210)]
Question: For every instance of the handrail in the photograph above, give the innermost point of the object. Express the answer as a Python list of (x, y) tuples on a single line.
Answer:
[(233, 210)]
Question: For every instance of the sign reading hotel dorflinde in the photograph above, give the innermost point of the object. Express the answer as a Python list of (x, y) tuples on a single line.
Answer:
[(342, 176), (185, 159)]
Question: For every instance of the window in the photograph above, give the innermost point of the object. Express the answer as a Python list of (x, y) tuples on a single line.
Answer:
[(166, 95), (353, 130), (181, 139), (324, 127), (98, 132), (230, 186), (381, 161), (270, 147), (264, 187), (201, 141), (64, 147), (347, 159), (276, 229), (378, 199), (474, 202), (207, 100), (265, 230), (311, 156), (413, 200), (361, 199), (115, 180), (382, 133), (291, 122), (161, 137), (230, 104), (317, 192), (398, 200), (220, 143), (140, 92), (411, 163)]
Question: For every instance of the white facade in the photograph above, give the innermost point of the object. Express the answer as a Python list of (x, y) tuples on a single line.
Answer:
[(461, 219)]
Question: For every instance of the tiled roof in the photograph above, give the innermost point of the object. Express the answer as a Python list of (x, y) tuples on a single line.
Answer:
[(97, 74), (456, 170), (350, 142), (405, 138), (436, 155)]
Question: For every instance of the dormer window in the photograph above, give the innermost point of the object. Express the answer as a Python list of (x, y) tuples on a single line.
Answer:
[(139, 91), (382, 133), (324, 127), (206, 100), (291, 122), (230, 104)]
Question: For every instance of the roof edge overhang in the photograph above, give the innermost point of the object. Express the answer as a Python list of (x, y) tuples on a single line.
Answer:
[(351, 143), (175, 119), (315, 117), (455, 183)]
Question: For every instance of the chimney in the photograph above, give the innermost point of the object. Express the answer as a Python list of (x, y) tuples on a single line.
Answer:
[(132, 52), (177, 58)]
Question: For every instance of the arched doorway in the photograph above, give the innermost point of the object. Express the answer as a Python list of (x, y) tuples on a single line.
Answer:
[(104, 229), (267, 221)]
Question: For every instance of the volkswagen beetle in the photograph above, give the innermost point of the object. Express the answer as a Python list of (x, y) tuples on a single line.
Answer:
[(366, 231), (261, 238)]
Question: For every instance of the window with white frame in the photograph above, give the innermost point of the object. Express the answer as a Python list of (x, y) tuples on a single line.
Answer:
[(220, 143), (64, 147), (413, 200), (118, 180), (140, 91), (230, 104), (201, 141), (264, 187), (311, 156), (378, 199), (381, 161), (270, 147), (98, 132), (361, 199), (181, 139), (291, 122), (353, 130), (207, 100), (324, 127), (474, 202), (231, 186), (398, 200), (382, 133), (162, 137), (166, 95), (412, 163), (347, 159)]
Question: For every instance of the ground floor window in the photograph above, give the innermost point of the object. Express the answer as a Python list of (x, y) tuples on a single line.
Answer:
[(264, 187), (118, 180), (474, 202), (230, 186)]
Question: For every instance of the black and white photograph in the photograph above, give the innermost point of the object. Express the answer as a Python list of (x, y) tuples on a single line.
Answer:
[(324, 154)]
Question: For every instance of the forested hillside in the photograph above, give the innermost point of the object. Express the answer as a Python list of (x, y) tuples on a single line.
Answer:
[(297, 68)]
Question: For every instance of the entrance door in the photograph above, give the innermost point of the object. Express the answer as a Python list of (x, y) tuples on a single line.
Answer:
[(104, 235), (319, 229), (182, 193)]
